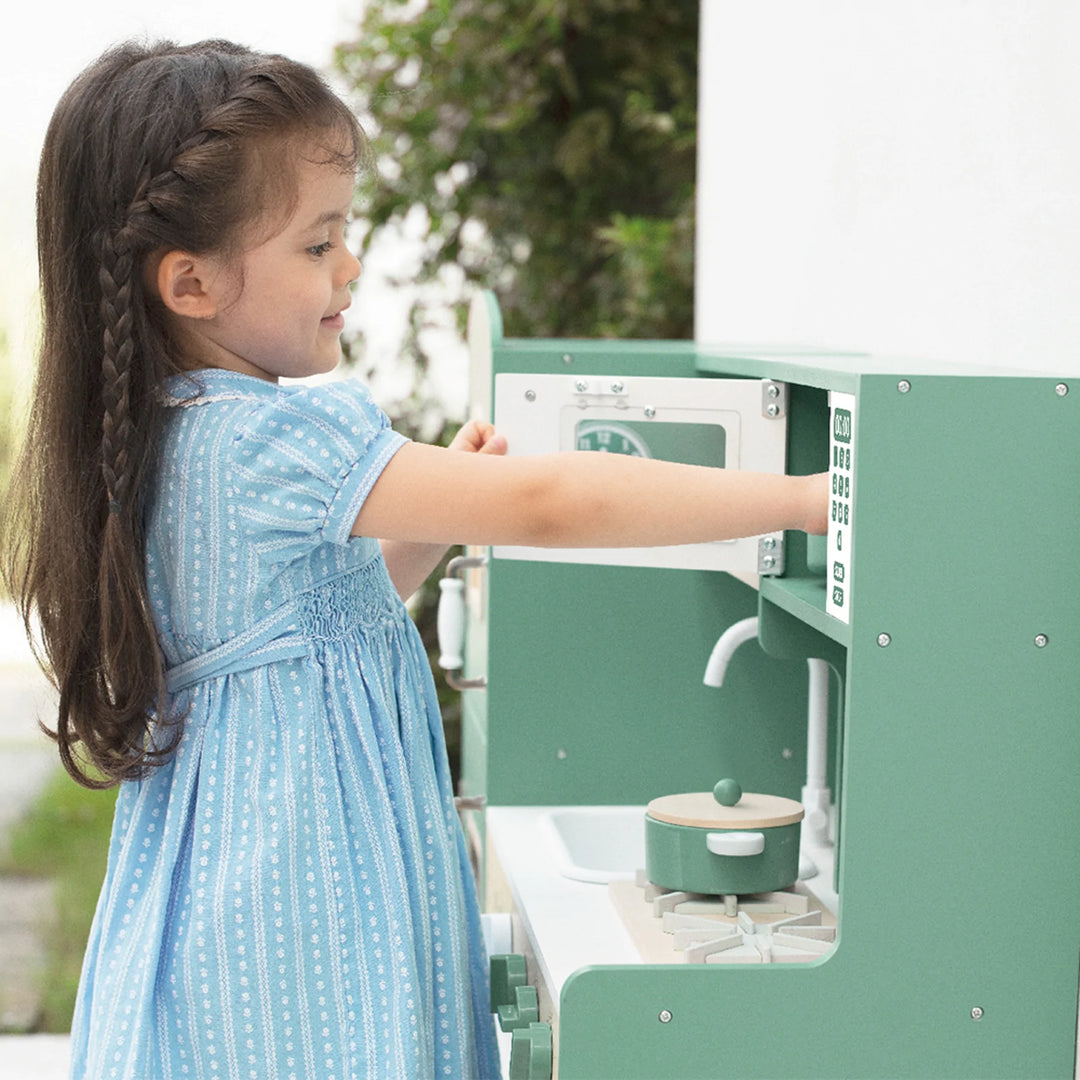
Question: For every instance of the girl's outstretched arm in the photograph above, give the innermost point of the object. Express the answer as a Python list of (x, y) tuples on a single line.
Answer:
[(410, 562), (578, 499)]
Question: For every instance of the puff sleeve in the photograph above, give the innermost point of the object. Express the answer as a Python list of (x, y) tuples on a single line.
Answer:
[(304, 463)]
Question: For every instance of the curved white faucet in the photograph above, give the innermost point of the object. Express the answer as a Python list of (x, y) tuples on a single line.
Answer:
[(728, 642)]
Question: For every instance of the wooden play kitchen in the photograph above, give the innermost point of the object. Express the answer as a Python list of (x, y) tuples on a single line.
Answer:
[(856, 856)]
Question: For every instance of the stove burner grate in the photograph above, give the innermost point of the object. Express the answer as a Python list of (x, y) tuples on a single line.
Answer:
[(755, 928)]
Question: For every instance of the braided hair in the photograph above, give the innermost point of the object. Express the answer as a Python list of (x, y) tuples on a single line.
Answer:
[(152, 148)]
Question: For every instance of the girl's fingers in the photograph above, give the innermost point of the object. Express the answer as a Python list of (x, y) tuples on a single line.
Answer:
[(494, 444)]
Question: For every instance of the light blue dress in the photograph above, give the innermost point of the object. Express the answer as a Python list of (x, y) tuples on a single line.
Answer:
[(289, 898)]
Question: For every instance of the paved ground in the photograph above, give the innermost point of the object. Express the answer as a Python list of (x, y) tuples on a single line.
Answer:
[(27, 760)]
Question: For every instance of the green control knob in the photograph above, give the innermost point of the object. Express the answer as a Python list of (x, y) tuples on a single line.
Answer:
[(507, 973), (727, 792), (530, 1053), (524, 1010)]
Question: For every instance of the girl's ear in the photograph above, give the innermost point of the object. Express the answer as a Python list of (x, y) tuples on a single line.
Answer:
[(186, 284)]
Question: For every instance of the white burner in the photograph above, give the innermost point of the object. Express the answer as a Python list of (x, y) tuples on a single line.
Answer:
[(756, 928)]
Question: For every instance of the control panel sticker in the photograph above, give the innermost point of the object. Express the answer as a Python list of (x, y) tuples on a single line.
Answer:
[(841, 506)]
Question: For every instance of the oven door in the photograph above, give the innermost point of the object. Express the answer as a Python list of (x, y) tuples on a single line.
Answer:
[(728, 423)]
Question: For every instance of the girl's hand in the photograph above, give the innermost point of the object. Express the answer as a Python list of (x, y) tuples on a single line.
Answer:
[(478, 437)]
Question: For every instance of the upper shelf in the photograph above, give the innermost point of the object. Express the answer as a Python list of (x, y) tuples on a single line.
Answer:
[(805, 599)]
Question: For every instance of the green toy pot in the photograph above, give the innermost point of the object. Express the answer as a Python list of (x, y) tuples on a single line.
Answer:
[(694, 843)]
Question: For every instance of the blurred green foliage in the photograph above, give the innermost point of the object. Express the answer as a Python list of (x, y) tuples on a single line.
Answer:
[(552, 147), (65, 837)]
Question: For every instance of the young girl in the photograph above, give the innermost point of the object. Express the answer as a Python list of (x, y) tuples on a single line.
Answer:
[(288, 892)]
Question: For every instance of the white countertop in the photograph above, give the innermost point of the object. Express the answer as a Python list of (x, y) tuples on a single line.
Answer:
[(572, 924)]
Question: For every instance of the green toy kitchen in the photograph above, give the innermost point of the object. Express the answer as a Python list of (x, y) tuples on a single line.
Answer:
[(782, 807), (797, 807)]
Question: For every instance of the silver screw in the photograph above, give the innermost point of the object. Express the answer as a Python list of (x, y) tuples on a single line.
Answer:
[(773, 410), (769, 543), (567, 358), (530, 395), (650, 412), (786, 754), (976, 1013), (773, 390), (1061, 389), (768, 562), (560, 754), (581, 386), (903, 386), (884, 640), (617, 387), (1041, 641), (665, 1016)]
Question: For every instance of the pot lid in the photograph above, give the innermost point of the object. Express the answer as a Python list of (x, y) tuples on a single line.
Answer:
[(744, 809)]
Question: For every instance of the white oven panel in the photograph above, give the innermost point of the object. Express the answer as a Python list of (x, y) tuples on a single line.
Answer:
[(733, 423)]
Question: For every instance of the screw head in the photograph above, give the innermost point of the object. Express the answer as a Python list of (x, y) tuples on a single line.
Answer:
[(1041, 641), (903, 386), (581, 386), (773, 410), (664, 1017), (884, 640), (976, 1013), (567, 358), (617, 387), (530, 395), (560, 754), (772, 390), (1061, 389), (650, 412)]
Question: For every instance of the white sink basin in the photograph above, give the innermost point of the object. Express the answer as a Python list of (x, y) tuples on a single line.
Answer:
[(597, 843)]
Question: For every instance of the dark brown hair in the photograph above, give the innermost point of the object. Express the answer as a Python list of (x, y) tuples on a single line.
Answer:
[(152, 148)]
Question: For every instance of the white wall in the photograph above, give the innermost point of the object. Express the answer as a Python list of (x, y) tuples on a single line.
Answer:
[(900, 176)]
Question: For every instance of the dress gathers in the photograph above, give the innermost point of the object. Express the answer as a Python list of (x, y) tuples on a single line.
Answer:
[(289, 897)]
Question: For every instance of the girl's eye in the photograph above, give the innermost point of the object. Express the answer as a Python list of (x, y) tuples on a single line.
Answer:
[(320, 249)]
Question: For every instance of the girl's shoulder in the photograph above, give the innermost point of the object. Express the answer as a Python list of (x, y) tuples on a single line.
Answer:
[(296, 427)]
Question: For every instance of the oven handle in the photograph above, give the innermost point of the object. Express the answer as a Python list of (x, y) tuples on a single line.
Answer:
[(450, 622)]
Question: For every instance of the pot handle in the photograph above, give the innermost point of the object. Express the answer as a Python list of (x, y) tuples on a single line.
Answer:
[(735, 843)]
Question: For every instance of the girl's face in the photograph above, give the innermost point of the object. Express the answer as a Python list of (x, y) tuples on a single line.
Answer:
[(292, 288)]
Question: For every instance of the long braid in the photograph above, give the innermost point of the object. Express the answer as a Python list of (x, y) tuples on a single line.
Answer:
[(115, 278)]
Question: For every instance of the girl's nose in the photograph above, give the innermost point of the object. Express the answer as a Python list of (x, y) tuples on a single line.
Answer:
[(351, 268)]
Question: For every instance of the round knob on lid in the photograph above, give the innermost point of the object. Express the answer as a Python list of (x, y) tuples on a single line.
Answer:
[(727, 792)]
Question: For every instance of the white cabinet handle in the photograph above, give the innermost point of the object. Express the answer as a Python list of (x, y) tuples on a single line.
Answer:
[(735, 843), (450, 622)]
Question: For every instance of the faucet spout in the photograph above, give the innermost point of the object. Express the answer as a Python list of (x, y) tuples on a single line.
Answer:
[(725, 647)]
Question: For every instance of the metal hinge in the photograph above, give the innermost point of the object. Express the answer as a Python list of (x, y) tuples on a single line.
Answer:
[(770, 558), (774, 399)]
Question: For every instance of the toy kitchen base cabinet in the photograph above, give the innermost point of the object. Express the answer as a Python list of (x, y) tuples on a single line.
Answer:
[(785, 808)]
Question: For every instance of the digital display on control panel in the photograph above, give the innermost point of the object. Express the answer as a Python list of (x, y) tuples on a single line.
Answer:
[(841, 480)]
